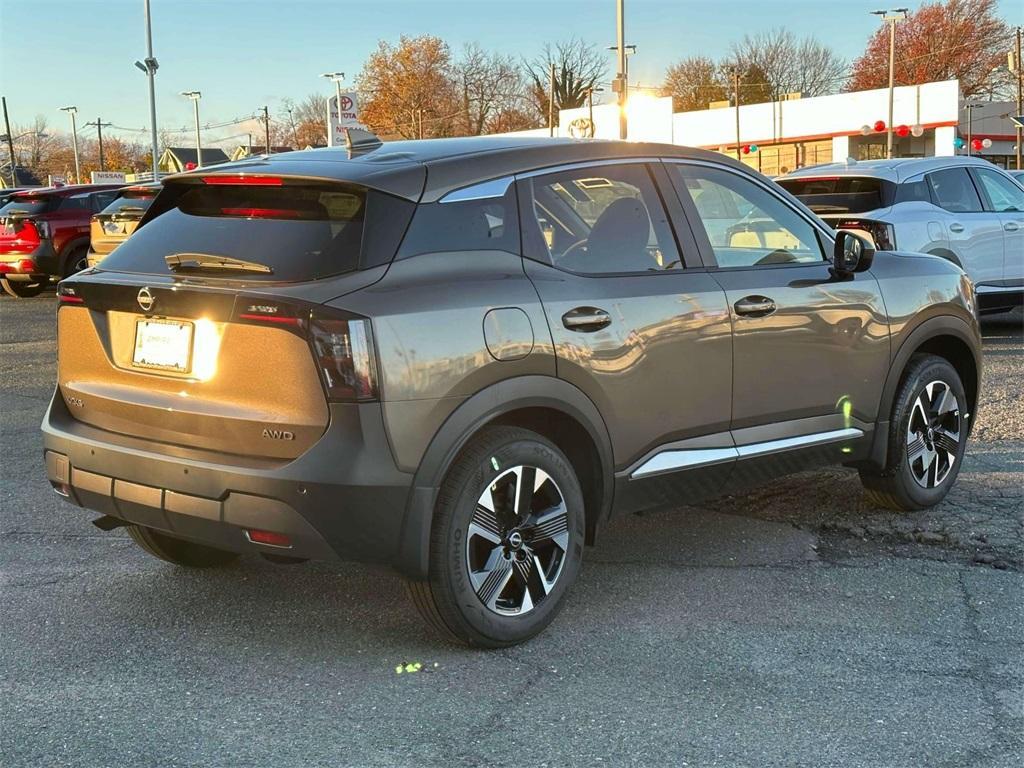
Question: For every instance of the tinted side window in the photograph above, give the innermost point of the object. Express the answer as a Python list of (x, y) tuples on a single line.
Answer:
[(954, 190), (1002, 193), (746, 224), (489, 224), (913, 192), (598, 220)]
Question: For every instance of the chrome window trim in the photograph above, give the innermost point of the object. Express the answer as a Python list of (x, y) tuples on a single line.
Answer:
[(817, 224), (485, 190), (673, 460), (586, 164)]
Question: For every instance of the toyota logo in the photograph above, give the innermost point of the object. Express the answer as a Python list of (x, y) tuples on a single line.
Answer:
[(146, 299)]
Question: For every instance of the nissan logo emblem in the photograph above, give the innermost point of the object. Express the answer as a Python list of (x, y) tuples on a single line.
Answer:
[(146, 299)]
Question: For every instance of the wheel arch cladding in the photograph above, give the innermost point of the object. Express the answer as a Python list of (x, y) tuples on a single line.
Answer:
[(947, 337), (551, 407)]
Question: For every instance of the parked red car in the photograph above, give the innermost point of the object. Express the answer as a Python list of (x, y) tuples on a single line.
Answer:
[(44, 234)]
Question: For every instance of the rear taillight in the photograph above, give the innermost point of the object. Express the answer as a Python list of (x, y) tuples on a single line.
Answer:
[(66, 294), (883, 234), (344, 353), (26, 235), (22, 267)]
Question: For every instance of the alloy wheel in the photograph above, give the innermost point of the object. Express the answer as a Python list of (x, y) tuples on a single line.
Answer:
[(933, 434), (517, 540)]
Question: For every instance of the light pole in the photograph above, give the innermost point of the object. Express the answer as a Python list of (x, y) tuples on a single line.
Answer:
[(10, 145), (1020, 97), (735, 72), (621, 85), (970, 124), (893, 15), (196, 96), (295, 135), (73, 110), (337, 77), (149, 65)]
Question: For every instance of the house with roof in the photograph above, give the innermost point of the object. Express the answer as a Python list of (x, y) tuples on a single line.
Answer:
[(243, 151), (178, 159)]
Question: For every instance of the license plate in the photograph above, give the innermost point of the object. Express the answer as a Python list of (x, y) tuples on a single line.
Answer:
[(163, 344)]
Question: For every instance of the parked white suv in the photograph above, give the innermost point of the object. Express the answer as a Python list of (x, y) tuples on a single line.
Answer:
[(961, 208)]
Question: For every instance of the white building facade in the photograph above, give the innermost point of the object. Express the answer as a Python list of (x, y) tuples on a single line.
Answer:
[(780, 136)]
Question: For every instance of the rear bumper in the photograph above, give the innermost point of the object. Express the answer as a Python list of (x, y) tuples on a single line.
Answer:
[(342, 499), (43, 258)]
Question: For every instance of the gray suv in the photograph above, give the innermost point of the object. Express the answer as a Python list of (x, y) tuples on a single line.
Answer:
[(961, 208), (461, 357)]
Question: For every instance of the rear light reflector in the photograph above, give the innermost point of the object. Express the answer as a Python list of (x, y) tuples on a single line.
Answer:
[(273, 319), (66, 299), (345, 355), (262, 213), (270, 538), (252, 181), (21, 267)]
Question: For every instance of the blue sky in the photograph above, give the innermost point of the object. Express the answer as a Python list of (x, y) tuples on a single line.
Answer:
[(243, 54)]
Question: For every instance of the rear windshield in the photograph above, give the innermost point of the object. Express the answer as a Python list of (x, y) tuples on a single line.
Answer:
[(131, 203), (29, 206), (846, 194), (300, 231)]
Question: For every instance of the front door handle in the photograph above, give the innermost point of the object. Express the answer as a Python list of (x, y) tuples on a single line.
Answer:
[(1011, 226), (586, 319), (956, 227), (754, 306)]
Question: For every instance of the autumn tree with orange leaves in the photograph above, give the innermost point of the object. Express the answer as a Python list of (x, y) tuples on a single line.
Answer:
[(962, 39)]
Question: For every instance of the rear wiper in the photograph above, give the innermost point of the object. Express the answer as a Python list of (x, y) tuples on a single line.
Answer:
[(208, 262)]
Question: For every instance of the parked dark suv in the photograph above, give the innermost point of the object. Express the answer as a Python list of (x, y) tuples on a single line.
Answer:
[(44, 234), (460, 357)]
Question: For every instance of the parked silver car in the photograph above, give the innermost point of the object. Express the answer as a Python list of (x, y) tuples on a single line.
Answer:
[(961, 208)]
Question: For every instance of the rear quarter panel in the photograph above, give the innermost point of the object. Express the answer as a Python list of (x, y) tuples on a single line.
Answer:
[(428, 317)]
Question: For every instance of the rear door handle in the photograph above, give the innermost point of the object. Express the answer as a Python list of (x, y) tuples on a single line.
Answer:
[(1011, 226), (956, 227), (754, 306), (586, 319)]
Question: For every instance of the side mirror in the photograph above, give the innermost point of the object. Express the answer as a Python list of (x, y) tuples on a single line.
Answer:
[(852, 253)]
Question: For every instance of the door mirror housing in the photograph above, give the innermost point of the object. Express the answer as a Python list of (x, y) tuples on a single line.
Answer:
[(852, 253)]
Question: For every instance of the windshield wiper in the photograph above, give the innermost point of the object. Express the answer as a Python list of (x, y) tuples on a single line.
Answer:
[(207, 262)]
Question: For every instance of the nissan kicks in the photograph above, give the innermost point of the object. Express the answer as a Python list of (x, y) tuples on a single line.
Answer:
[(461, 357)]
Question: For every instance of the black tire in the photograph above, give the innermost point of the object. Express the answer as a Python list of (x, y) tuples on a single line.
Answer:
[(76, 260), (450, 600), (178, 551), (22, 290), (900, 485)]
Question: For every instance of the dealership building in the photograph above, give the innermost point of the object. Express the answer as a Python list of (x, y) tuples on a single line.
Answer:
[(931, 119)]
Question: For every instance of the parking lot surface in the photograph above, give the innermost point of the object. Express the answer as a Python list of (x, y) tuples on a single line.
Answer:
[(793, 626)]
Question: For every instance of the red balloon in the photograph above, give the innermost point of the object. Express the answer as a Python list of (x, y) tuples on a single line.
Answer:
[(976, 144), (880, 125), (746, 149), (903, 130)]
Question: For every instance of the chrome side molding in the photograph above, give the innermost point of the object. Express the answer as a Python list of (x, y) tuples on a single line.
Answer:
[(673, 460)]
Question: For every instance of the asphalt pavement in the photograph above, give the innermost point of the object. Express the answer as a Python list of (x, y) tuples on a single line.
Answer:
[(792, 626)]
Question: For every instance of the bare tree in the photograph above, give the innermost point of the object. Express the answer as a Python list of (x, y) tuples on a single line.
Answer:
[(693, 83), (578, 68), (790, 65), (310, 118), (490, 86)]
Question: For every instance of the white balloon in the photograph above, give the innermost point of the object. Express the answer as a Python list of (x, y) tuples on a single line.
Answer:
[(865, 130), (917, 129), (986, 143)]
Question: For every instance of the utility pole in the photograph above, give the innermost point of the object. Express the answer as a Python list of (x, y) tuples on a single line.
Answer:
[(970, 125), (621, 76), (266, 128), (99, 125), (72, 110), (196, 96), (1020, 99), (892, 16), (551, 98), (150, 66), (10, 145), (735, 71)]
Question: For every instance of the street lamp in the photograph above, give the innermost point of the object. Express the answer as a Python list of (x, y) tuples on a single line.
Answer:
[(196, 96), (337, 77), (970, 107), (149, 65), (73, 110), (893, 15)]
